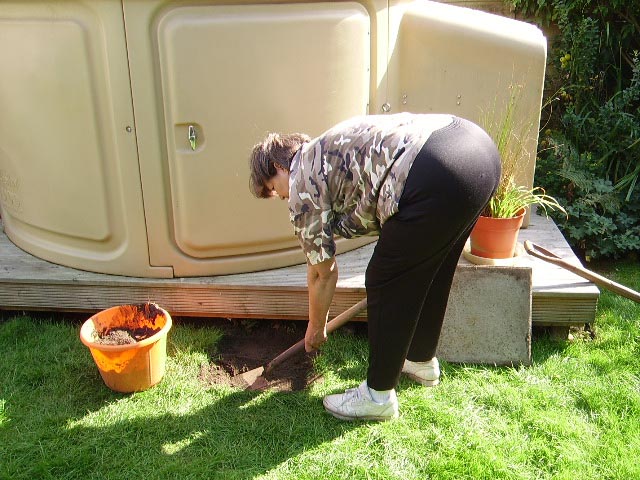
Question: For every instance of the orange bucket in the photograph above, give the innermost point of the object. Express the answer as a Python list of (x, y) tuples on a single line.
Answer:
[(132, 367)]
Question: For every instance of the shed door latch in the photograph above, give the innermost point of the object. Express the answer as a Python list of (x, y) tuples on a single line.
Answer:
[(193, 137)]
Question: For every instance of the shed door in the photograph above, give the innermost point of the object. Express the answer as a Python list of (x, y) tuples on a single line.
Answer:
[(231, 74)]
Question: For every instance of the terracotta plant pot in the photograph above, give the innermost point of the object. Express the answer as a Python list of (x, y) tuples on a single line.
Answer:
[(131, 367), (496, 237)]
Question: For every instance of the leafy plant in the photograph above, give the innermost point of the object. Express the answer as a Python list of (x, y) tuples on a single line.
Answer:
[(589, 156), (600, 222)]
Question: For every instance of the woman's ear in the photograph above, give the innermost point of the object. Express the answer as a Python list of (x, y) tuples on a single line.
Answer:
[(280, 167)]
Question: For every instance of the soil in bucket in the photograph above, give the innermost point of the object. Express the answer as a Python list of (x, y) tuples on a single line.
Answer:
[(141, 326)]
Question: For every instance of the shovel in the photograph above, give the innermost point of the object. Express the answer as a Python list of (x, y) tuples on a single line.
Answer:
[(547, 256), (255, 378)]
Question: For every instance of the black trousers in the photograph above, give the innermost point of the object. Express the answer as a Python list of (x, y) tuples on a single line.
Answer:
[(409, 276)]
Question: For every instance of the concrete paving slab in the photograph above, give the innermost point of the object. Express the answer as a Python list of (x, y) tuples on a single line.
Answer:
[(488, 317)]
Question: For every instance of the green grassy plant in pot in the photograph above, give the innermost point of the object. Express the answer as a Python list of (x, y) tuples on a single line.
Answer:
[(495, 235)]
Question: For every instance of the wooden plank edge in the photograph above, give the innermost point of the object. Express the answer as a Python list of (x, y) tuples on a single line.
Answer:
[(285, 304)]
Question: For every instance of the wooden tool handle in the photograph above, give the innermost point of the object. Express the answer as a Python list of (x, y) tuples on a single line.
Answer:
[(599, 280), (332, 325)]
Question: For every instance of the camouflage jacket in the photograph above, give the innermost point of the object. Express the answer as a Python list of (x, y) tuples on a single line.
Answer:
[(349, 180)]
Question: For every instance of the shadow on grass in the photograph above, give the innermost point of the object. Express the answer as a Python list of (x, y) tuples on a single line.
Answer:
[(237, 435), (59, 420), (240, 435)]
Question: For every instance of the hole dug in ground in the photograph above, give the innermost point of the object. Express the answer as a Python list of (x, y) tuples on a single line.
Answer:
[(249, 344)]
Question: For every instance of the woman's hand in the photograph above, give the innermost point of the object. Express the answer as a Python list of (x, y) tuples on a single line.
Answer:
[(315, 337)]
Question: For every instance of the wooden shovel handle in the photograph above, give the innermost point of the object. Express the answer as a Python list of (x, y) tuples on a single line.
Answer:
[(332, 325), (546, 255)]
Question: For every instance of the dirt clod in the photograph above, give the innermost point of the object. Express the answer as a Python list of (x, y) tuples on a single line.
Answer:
[(245, 347)]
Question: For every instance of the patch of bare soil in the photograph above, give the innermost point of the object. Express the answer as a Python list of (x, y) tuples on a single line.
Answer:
[(249, 344)]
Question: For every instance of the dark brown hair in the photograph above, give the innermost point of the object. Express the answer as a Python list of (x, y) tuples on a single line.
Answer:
[(275, 149)]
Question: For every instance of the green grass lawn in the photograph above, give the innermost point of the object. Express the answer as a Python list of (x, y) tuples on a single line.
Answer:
[(574, 414)]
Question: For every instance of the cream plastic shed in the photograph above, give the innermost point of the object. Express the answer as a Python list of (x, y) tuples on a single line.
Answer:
[(125, 126)]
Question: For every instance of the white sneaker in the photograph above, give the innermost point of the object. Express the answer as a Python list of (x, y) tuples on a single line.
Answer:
[(357, 404), (426, 373)]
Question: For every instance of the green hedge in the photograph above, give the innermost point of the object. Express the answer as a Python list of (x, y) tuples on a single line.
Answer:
[(589, 149)]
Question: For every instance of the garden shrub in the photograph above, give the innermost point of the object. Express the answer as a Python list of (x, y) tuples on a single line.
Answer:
[(589, 149)]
